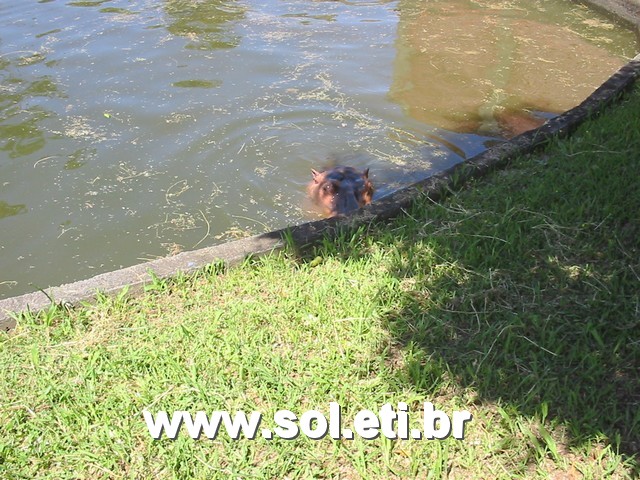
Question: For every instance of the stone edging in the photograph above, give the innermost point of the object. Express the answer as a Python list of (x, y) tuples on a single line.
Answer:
[(628, 10), (231, 253)]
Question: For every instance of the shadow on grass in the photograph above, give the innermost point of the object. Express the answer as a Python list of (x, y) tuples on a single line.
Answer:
[(553, 331), (526, 289)]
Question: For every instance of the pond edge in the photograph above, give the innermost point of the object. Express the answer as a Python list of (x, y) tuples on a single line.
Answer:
[(306, 234)]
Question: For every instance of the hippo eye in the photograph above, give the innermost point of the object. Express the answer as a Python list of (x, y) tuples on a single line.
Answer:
[(328, 188)]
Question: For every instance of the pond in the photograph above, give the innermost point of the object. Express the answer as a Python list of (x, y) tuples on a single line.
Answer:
[(131, 130)]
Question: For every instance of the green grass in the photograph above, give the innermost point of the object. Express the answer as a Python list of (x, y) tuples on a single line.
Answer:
[(517, 299)]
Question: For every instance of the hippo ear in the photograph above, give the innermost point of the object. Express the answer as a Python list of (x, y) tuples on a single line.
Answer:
[(365, 174), (315, 174)]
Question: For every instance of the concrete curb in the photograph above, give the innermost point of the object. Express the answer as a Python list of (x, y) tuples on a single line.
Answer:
[(629, 10), (232, 253)]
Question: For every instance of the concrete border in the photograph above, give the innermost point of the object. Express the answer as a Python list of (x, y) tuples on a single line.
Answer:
[(628, 10), (303, 235)]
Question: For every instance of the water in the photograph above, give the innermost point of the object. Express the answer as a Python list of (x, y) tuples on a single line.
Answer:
[(131, 130)]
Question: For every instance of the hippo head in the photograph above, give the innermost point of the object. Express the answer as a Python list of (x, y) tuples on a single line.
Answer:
[(340, 190)]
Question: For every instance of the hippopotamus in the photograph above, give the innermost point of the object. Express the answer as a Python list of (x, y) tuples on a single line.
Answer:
[(340, 190)]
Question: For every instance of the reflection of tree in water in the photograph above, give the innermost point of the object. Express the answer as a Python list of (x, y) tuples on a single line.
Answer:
[(206, 23), (20, 133), (7, 210), (470, 66)]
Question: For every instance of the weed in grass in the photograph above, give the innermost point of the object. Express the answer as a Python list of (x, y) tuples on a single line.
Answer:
[(157, 284)]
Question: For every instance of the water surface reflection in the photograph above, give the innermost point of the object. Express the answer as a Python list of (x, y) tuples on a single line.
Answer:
[(207, 25), (135, 129), (498, 68)]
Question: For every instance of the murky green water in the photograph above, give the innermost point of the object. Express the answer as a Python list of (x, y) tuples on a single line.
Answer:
[(134, 129)]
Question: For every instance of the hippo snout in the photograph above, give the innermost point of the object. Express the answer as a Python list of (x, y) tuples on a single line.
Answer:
[(340, 190)]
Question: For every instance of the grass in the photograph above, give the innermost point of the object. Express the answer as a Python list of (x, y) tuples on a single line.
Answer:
[(517, 299)]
